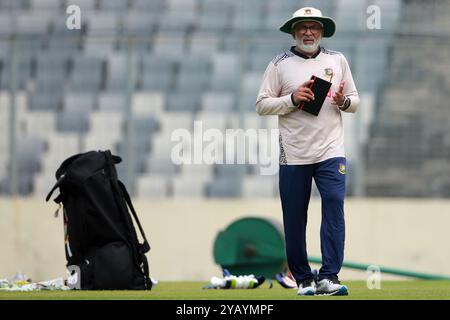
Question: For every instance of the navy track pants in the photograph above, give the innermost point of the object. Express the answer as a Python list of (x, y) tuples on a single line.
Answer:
[(295, 192)]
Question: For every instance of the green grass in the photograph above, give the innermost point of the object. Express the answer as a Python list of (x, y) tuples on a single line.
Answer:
[(429, 290)]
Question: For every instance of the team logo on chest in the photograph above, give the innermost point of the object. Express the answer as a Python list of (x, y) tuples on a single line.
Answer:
[(329, 74)]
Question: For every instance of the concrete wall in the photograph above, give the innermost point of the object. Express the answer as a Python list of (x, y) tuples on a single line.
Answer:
[(410, 234)]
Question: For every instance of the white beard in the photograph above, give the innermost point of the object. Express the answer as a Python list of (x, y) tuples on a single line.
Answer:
[(307, 48)]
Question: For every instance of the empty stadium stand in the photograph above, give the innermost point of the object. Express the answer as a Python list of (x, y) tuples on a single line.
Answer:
[(138, 70)]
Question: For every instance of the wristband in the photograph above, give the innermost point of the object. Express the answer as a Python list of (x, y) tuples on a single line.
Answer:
[(346, 104)]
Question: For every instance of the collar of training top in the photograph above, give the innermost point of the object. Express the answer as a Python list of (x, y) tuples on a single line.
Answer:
[(304, 56)]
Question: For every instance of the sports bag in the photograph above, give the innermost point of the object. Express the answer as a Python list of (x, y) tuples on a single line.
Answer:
[(101, 243)]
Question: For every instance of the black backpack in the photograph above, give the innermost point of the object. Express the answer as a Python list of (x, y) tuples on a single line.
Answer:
[(100, 238)]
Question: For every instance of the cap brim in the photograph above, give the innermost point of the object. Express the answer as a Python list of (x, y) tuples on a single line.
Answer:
[(329, 26)]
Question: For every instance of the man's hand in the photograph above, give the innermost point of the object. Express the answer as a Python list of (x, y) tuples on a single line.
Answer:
[(303, 93), (338, 98)]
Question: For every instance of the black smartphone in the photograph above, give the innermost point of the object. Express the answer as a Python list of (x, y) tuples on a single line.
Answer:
[(320, 88)]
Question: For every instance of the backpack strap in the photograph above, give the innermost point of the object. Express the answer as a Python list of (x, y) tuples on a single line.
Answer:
[(144, 247), (57, 184)]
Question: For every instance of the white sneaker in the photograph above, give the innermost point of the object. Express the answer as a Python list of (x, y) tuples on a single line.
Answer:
[(307, 288), (331, 287)]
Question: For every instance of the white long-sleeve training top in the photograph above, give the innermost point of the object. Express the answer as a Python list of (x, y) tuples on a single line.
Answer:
[(305, 138)]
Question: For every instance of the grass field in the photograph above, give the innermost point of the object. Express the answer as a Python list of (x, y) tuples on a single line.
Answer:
[(429, 290)]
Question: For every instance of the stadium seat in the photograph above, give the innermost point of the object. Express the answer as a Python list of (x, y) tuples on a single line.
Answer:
[(99, 47), (138, 149), (45, 101), (204, 43), (235, 171), (112, 101), (217, 101), (161, 165), (224, 188), (53, 6), (140, 24), (143, 124), (251, 120), (106, 24), (28, 158), (195, 63), (184, 101), (119, 6), (187, 188), (177, 21), (100, 140), (188, 82), (172, 43), (148, 102), (87, 74), (88, 6), (269, 47), (62, 144), (152, 81), (213, 120), (234, 42), (218, 22), (287, 6), (194, 171), (50, 83), (22, 104), (259, 187), (259, 62), (244, 22), (79, 102), (250, 89), (37, 123), (276, 17), (162, 145), (66, 48), (153, 186), (171, 121), (50, 162), (29, 24), (4, 161), (23, 67), (183, 5), (157, 67), (12, 5), (75, 121), (118, 72), (154, 6), (106, 121), (6, 24), (225, 72), (24, 184)]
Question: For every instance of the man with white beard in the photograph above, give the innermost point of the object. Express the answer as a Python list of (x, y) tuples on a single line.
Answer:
[(310, 146)]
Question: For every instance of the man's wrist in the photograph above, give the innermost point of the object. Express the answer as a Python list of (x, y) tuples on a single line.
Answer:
[(346, 104), (293, 101)]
